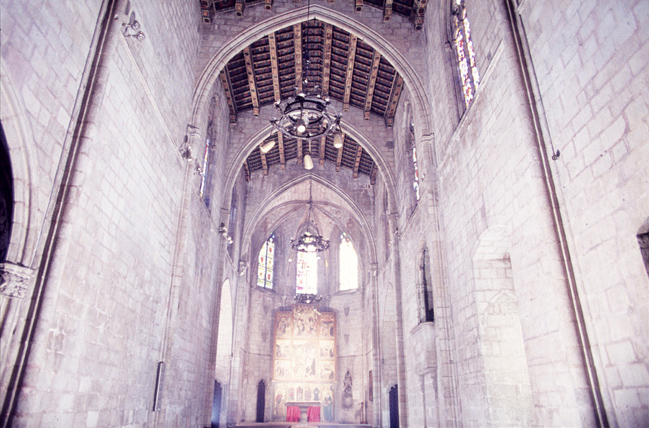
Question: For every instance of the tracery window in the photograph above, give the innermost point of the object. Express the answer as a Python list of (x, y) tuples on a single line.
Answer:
[(307, 272), (348, 262), (266, 263), (469, 75)]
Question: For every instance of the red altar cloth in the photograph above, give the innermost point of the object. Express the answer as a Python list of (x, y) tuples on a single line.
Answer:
[(292, 414), (313, 414)]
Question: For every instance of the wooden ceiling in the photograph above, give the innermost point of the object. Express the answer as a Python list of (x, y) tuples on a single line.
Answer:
[(315, 58), (331, 61), (351, 155), (412, 9)]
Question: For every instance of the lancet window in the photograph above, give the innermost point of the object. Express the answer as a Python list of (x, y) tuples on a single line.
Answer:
[(207, 155), (266, 263), (348, 262), (413, 148), (469, 75), (307, 272)]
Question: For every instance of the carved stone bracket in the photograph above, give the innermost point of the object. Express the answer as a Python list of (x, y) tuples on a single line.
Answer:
[(15, 280)]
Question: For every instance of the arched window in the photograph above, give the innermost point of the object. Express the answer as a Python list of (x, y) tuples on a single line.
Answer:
[(266, 263), (469, 75), (348, 263), (232, 224), (307, 272), (207, 155), (413, 148), (427, 313)]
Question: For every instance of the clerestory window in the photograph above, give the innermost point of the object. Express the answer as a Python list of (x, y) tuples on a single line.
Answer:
[(468, 70), (266, 262), (348, 263), (307, 272)]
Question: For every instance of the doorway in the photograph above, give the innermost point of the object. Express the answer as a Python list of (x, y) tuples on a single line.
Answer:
[(261, 400), (216, 405), (394, 406)]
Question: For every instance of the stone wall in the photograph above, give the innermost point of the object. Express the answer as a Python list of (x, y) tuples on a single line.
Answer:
[(130, 283), (591, 69), (120, 260)]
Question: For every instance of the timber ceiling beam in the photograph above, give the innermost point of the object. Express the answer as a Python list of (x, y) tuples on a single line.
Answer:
[(397, 86), (282, 155), (251, 80), (387, 10), (351, 58), (357, 160), (239, 6), (339, 159), (272, 43), (228, 95), (323, 141), (418, 11), (374, 71), (264, 161), (297, 45), (246, 170), (326, 59)]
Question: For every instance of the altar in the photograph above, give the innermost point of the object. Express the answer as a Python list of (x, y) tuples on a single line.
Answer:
[(303, 411)]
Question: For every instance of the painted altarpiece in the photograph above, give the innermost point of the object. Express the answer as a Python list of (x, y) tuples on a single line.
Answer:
[(304, 359)]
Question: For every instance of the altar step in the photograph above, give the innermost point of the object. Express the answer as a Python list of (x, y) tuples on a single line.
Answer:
[(298, 425)]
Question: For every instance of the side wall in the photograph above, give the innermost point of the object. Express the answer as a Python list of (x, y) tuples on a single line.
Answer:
[(131, 282), (591, 69), (592, 72)]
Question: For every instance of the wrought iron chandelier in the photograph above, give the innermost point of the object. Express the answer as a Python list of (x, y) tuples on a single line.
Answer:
[(310, 240), (306, 117)]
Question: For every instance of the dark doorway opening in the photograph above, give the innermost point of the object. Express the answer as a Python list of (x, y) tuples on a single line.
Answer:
[(261, 400), (394, 407), (216, 405)]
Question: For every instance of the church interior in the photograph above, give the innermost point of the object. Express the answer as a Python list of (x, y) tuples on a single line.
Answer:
[(324, 213)]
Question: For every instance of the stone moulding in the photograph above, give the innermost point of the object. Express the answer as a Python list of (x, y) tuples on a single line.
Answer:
[(15, 280)]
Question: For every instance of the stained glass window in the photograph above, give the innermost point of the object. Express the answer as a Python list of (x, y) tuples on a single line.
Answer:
[(266, 263), (469, 75), (415, 180), (307, 272), (348, 275)]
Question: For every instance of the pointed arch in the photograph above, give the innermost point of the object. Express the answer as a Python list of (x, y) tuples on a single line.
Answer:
[(369, 35), (209, 76), (235, 165), (17, 130), (338, 199)]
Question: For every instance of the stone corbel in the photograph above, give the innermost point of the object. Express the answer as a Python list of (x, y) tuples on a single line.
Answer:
[(243, 267), (15, 281)]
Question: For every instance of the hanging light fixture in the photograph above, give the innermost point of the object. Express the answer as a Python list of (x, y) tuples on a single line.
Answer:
[(307, 116), (308, 160), (338, 140), (310, 240), (265, 148)]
